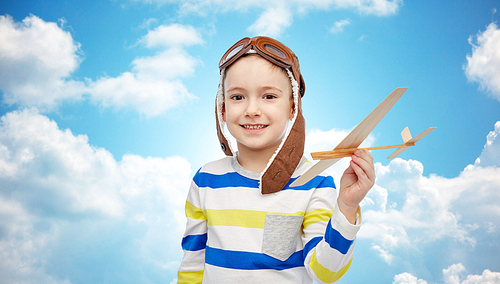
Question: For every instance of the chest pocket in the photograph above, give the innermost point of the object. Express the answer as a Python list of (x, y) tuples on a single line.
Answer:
[(280, 235)]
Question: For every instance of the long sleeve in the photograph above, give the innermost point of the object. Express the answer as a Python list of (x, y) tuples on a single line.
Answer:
[(328, 237), (194, 240)]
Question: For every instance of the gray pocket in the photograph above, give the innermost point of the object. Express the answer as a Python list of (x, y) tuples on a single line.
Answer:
[(280, 235)]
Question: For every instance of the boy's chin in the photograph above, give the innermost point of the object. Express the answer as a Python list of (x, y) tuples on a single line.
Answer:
[(258, 147)]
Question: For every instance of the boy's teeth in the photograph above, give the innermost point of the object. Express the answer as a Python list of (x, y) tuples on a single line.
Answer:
[(254, 126)]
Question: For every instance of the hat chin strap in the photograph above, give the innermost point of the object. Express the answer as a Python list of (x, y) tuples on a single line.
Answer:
[(285, 160), (283, 163), (280, 169)]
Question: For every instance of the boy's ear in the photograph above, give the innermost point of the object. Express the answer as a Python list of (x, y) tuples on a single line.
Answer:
[(292, 112)]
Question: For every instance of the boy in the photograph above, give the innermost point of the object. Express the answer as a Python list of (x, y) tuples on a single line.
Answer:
[(245, 223)]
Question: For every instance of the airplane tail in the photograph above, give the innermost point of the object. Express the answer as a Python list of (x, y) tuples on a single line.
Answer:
[(409, 140)]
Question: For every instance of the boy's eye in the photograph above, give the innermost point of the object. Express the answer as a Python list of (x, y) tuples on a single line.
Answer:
[(269, 96), (237, 97)]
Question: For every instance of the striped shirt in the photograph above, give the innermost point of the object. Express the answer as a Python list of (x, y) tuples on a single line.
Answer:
[(234, 234)]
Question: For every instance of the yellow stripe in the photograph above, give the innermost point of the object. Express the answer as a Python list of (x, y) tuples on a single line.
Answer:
[(194, 212), (359, 216), (323, 273), (189, 277), (318, 215), (240, 217)]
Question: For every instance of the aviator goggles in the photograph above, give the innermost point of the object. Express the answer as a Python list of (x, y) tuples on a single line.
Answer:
[(271, 49)]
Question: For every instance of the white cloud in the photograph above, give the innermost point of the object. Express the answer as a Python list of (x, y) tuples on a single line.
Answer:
[(166, 65), (43, 160), (376, 7), (491, 152), (484, 62), (338, 26), (277, 15), (36, 61), (486, 277), (406, 278), (452, 275), (423, 209), (152, 88), (272, 22), (173, 35), (154, 85), (68, 206), (147, 23), (384, 254)]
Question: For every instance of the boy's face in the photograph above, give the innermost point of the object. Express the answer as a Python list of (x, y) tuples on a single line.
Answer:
[(258, 103)]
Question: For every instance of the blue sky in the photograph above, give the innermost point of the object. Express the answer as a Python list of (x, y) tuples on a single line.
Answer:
[(107, 111)]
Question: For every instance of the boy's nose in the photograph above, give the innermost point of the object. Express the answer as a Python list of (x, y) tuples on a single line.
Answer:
[(253, 109)]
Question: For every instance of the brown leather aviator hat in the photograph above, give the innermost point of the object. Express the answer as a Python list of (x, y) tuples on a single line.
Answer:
[(289, 153)]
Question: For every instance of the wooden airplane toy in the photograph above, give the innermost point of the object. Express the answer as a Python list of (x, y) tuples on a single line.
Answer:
[(351, 142)]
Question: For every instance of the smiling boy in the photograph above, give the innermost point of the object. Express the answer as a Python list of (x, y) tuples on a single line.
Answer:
[(245, 223)]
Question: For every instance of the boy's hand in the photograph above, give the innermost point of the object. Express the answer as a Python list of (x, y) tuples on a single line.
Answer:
[(355, 183)]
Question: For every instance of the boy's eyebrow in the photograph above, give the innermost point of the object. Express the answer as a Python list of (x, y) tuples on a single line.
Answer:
[(235, 89), (272, 88), (265, 88)]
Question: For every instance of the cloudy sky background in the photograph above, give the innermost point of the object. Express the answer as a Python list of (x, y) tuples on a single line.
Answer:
[(107, 112)]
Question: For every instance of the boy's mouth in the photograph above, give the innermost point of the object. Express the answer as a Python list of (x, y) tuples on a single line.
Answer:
[(254, 126)]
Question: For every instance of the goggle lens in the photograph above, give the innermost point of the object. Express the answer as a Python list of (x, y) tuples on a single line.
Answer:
[(275, 51), (234, 52)]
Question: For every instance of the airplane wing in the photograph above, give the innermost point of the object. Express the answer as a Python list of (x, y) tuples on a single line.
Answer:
[(356, 137)]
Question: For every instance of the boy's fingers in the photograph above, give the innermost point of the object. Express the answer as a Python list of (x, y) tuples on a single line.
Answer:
[(364, 166), (358, 170), (364, 176), (364, 160), (365, 155)]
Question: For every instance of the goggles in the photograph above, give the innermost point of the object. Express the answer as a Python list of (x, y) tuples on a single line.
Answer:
[(271, 49)]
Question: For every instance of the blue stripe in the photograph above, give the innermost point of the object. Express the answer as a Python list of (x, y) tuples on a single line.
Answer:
[(316, 182), (250, 260), (336, 240), (194, 242), (233, 179), (312, 243)]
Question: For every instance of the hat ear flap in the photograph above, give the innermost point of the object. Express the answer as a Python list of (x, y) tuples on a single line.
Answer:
[(220, 118), (284, 164), (224, 143)]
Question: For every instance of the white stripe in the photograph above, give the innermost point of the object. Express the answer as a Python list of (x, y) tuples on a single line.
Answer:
[(288, 201), (217, 275), (193, 261), (196, 229), (329, 258), (219, 167), (248, 240)]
